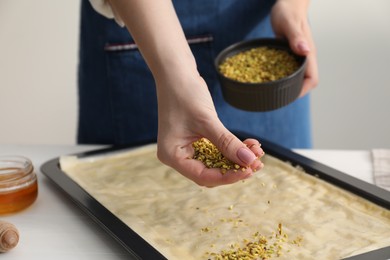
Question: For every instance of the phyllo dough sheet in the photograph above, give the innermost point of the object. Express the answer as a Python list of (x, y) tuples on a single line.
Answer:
[(293, 214)]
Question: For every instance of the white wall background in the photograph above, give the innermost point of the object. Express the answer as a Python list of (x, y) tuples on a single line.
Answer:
[(38, 64), (351, 106)]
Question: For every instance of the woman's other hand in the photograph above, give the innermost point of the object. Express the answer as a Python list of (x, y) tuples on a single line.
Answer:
[(289, 20)]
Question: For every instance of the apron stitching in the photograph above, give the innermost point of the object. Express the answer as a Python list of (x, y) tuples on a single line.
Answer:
[(133, 46)]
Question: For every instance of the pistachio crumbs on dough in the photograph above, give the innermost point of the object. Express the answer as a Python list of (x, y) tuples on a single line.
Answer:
[(258, 247)]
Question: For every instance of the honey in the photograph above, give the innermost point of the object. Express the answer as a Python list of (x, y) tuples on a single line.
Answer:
[(18, 184)]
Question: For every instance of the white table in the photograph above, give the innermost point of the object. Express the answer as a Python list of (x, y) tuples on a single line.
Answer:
[(54, 228)]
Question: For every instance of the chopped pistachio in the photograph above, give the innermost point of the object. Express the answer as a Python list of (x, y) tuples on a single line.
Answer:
[(257, 65), (257, 248), (211, 157)]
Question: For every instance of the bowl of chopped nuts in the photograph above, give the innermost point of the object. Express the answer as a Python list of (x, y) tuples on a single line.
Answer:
[(260, 74)]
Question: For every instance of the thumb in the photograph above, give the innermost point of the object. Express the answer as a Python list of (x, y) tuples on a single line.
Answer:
[(298, 42), (231, 147)]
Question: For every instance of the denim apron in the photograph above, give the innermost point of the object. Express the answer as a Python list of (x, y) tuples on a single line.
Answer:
[(117, 95)]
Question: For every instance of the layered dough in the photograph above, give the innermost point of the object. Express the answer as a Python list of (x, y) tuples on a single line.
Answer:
[(185, 221)]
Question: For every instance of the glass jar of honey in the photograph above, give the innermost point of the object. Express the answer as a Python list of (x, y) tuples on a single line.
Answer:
[(18, 184)]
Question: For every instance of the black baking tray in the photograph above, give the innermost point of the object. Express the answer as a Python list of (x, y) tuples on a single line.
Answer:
[(138, 248)]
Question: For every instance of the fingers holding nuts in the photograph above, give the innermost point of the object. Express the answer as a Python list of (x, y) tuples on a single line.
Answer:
[(212, 177), (213, 169), (254, 146)]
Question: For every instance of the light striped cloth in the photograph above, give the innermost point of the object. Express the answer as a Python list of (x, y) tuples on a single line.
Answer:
[(381, 164)]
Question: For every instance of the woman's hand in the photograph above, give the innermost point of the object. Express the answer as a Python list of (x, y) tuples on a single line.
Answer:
[(289, 20), (185, 109), (189, 114)]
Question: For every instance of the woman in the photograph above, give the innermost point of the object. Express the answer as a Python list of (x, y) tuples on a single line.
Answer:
[(168, 57)]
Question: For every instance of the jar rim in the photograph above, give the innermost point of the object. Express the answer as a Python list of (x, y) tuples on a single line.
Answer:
[(16, 172)]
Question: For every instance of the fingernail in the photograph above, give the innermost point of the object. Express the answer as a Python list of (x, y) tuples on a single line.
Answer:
[(302, 46), (245, 155)]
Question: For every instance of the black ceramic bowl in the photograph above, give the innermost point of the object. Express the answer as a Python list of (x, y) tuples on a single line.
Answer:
[(261, 96)]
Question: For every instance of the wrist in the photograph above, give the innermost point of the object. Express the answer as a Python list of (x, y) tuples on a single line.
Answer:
[(173, 67)]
